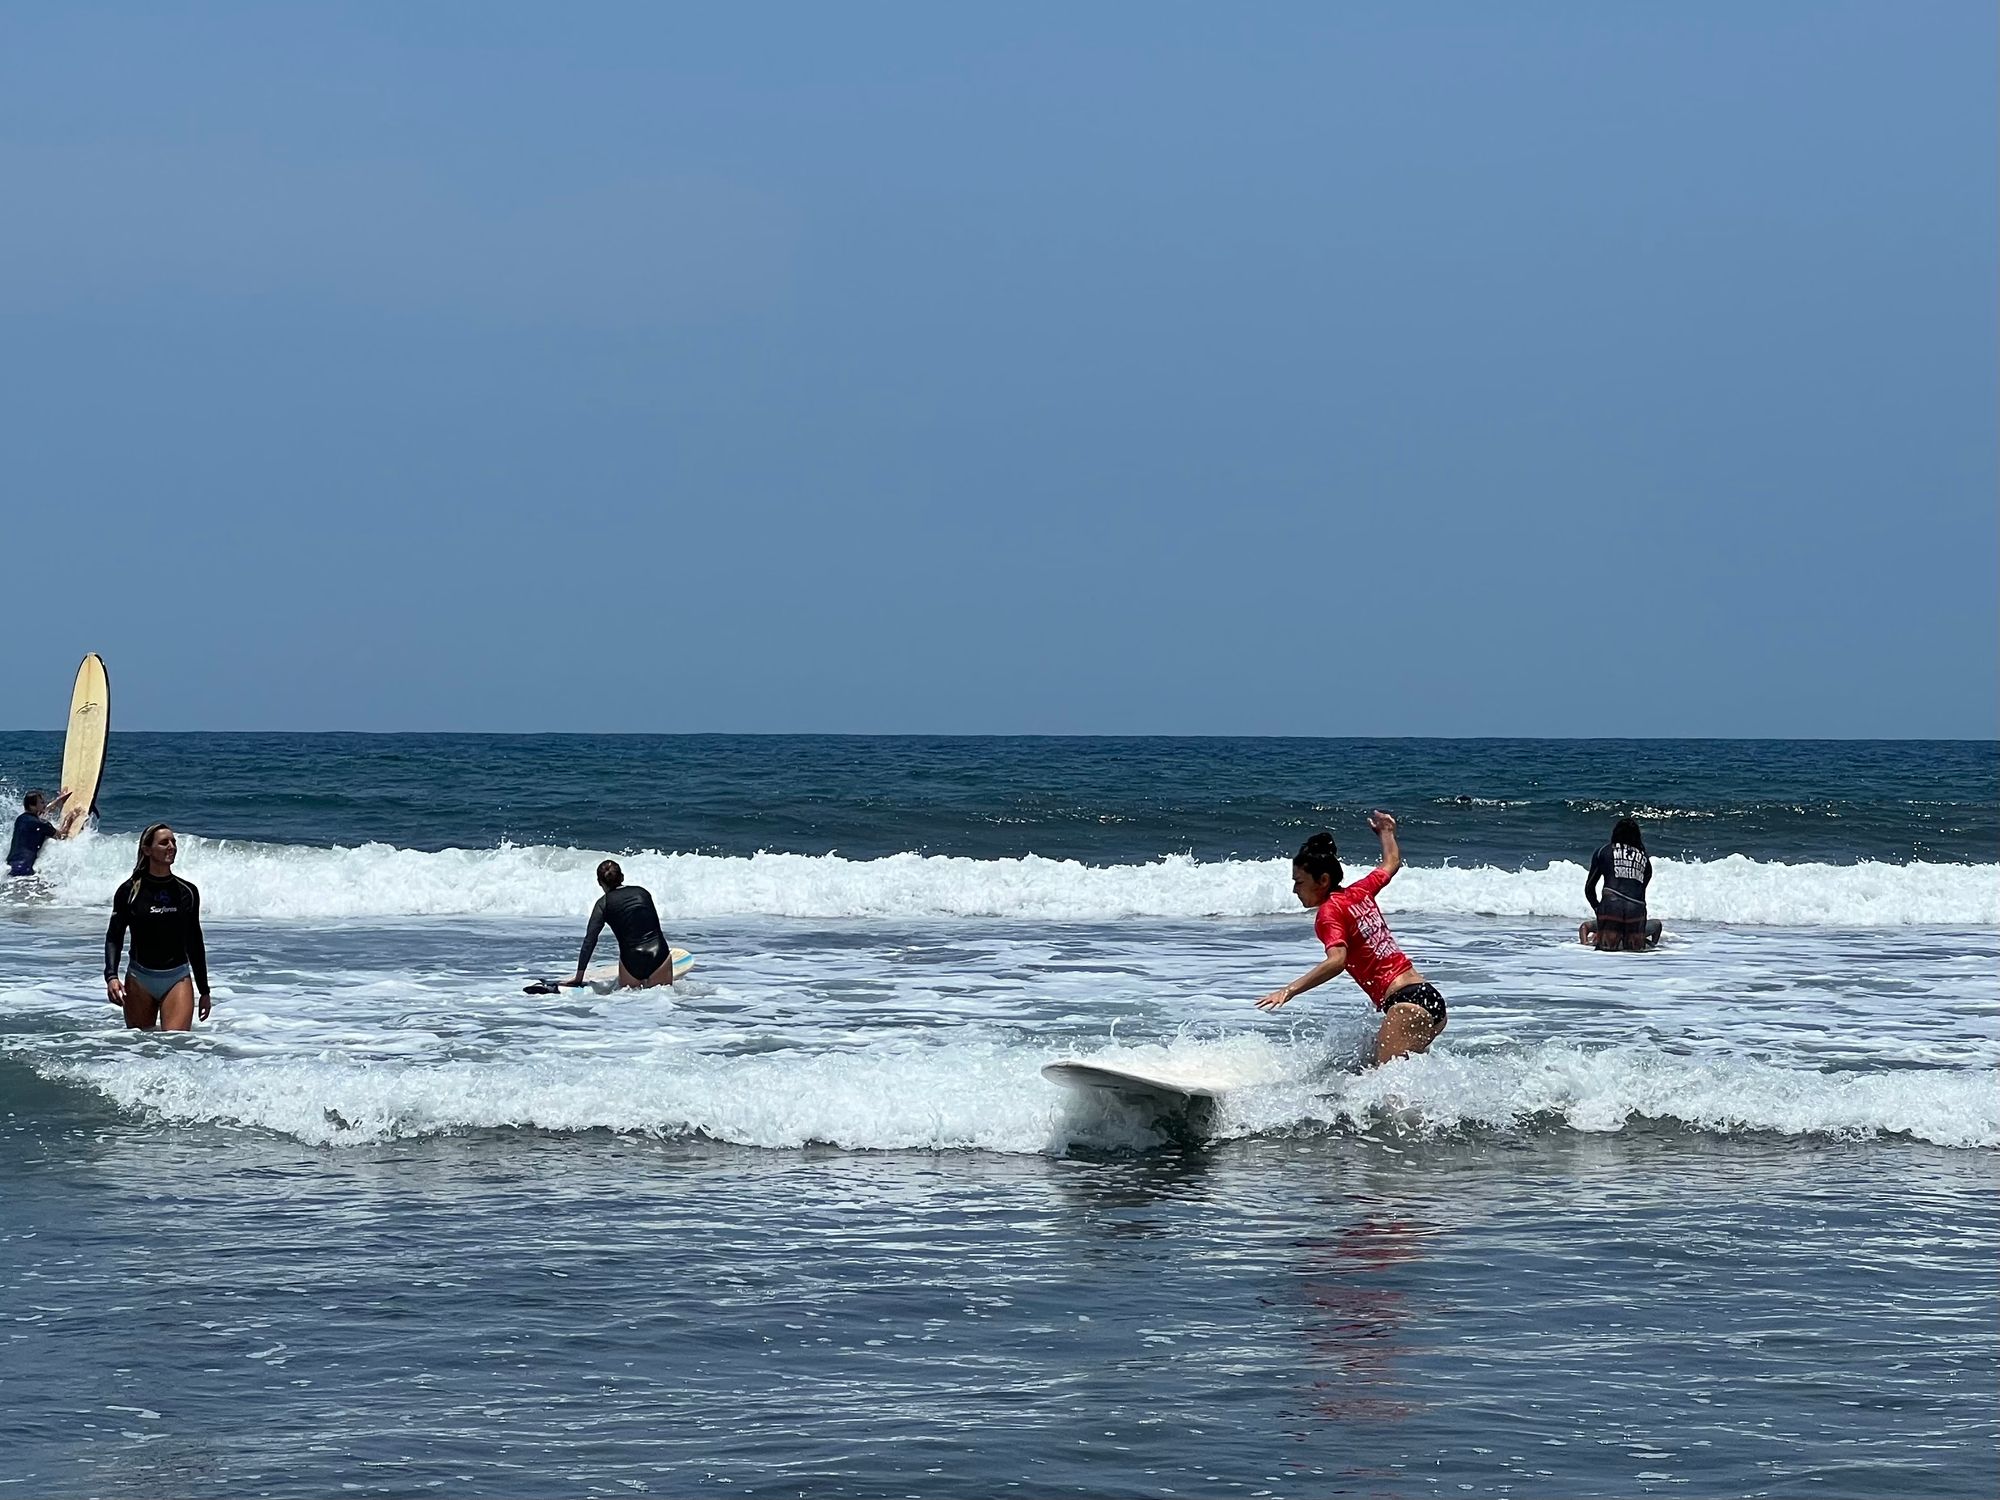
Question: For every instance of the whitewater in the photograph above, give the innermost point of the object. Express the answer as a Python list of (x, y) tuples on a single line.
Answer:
[(893, 936), (255, 880), (875, 1033)]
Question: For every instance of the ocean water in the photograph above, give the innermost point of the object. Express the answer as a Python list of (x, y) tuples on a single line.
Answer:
[(1719, 1219)]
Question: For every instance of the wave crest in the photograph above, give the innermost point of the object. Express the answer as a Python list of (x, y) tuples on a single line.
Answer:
[(283, 882), (990, 1096)]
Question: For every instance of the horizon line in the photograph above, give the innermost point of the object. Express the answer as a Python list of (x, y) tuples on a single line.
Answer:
[(920, 734)]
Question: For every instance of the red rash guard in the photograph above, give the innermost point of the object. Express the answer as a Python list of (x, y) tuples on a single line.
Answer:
[(1351, 917)]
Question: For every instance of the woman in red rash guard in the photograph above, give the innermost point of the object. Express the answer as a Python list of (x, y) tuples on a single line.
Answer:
[(1357, 940)]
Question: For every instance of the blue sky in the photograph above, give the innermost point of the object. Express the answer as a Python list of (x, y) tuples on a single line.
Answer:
[(1311, 369)]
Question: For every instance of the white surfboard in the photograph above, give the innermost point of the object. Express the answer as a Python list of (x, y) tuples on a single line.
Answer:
[(1128, 1083), (603, 979)]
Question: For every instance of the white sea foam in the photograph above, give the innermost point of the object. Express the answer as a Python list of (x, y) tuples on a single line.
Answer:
[(988, 1095), (281, 882), (1613, 1088), (896, 1036)]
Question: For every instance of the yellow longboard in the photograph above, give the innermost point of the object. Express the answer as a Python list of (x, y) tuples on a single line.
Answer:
[(83, 746)]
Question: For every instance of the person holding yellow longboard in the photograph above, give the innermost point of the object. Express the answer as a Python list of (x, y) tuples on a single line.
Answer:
[(82, 769), (31, 831)]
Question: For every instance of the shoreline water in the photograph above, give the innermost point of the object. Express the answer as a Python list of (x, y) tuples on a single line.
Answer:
[(506, 1315), (1713, 1219)]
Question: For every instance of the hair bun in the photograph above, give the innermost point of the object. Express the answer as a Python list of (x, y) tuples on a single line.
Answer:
[(1320, 857)]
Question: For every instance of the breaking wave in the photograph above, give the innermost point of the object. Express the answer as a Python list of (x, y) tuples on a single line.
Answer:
[(989, 1095), (256, 881)]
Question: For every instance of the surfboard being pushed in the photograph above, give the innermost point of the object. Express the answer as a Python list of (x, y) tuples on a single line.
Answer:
[(603, 979), (1129, 1083), (83, 744)]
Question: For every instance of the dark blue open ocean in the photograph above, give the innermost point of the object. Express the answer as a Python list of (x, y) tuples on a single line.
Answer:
[(1716, 1220)]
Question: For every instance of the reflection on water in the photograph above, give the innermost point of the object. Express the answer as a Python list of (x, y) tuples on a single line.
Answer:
[(1352, 1319), (514, 1312)]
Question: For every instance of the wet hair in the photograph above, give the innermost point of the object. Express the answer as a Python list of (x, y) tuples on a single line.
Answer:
[(1319, 858), (32, 799), (1626, 831), (609, 875), (139, 865)]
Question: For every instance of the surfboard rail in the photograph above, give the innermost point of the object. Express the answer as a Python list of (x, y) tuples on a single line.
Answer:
[(1080, 1073)]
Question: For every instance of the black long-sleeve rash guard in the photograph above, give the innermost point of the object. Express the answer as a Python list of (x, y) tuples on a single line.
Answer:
[(30, 833), (634, 922), (165, 918)]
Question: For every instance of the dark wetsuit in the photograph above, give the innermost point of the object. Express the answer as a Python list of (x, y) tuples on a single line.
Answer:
[(165, 918), (642, 947), (30, 833), (1621, 906)]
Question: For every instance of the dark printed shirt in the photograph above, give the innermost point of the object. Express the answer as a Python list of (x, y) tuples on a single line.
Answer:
[(1624, 870)]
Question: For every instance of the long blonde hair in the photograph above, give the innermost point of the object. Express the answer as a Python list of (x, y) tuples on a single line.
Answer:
[(139, 867)]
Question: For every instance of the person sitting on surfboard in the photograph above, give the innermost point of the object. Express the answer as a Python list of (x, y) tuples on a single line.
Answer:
[(1357, 940), (31, 831), (1626, 870), (644, 959), (169, 959)]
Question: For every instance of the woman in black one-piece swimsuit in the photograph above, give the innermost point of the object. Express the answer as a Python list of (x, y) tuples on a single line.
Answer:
[(644, 959)]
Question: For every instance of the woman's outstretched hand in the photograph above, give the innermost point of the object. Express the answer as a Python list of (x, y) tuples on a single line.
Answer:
[(1275, 999), (1381, 822)]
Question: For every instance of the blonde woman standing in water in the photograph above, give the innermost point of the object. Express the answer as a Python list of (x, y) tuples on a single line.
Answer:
[(169, 961)]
